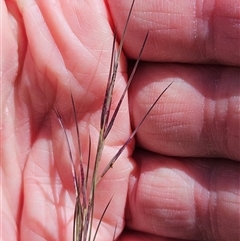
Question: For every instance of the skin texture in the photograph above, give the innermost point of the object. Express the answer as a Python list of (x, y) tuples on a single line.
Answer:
[(182, 178)]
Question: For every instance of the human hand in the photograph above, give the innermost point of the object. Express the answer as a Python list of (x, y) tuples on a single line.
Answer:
[(186, 181), (67, 47)]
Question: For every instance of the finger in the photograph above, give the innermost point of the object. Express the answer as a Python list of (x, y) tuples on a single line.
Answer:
[(198, 115), (130, 235), (190, 31), (185, 198)]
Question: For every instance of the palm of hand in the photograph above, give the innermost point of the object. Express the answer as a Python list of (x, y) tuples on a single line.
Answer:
[(57, 60)]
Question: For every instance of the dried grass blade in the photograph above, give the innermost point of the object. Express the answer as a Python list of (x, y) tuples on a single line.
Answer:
[(89, 158), (113, 160), (77, 221), (78, 211), (105, 111), (100, 221), (124, 32), (111, 81), (74, 174), (82, 174), (126, 88), (89, 220)]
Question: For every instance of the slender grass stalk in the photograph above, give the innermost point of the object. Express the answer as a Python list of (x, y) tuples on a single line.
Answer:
[(84, 205)]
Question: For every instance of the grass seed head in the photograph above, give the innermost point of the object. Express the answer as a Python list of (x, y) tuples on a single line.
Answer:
[(85, 197)]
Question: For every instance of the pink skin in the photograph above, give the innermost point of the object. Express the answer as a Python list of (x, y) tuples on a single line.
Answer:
[(184, 182)]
